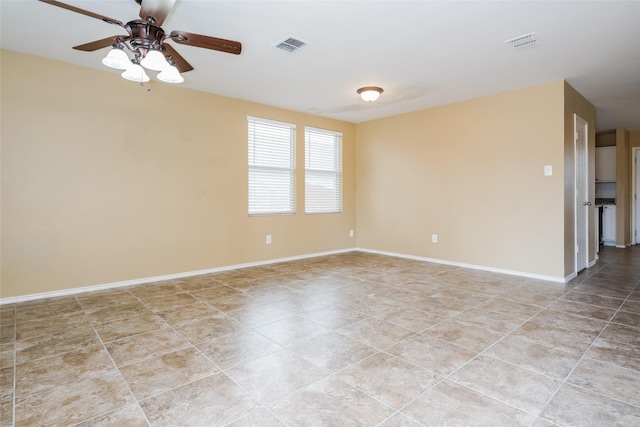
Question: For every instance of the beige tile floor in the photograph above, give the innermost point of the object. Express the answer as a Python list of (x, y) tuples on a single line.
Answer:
[(346, 340)]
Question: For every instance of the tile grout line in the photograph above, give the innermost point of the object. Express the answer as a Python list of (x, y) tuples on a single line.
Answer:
[(334, 375), (169, 327), (445, 320), (584, 355), (441, 377), (117, 369), (447, 377), (220, 370), (508, 334), (329, 374), (564, 380)]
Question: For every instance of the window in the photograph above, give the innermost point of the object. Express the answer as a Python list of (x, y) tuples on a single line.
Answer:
[(322, 171), (272, 158)]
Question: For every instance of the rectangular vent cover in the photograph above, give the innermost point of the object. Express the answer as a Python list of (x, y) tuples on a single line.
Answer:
[(290, 44), (524, 42)]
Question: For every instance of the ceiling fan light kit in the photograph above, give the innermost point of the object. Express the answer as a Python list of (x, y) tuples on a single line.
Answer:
[(116, 58), (135, 73), (154, 60), (370, 93), (170, 75), (146, 40)]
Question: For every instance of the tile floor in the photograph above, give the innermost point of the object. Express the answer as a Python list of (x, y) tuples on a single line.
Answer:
[(347, 340)]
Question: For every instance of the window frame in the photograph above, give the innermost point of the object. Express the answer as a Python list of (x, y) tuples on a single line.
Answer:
[(335, 173), (260, 207)]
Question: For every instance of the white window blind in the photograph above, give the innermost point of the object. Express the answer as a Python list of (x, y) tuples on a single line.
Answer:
[(323, 171), (271, 167)]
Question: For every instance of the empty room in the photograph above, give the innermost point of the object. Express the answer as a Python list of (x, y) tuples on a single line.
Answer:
[(319, 213)]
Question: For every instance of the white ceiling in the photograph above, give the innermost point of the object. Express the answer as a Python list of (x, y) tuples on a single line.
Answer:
[(423, 53)]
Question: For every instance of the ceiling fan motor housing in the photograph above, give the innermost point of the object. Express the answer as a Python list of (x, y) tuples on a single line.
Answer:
[(144, 36)]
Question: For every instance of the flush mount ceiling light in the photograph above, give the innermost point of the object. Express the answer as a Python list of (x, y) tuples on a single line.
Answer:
[(370, 93)]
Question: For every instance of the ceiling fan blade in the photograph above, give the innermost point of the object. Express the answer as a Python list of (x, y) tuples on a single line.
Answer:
[(181, 64), (82, 11), (157, 9), (99, 44), (213, 43)]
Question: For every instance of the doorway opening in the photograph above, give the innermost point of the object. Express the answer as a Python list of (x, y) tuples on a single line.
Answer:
[(582, 202)]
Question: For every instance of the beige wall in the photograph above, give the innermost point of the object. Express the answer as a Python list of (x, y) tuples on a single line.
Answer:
[(623, 188), (634, 138), (471, 172), (574, 103), (607, 139), (104, 181)]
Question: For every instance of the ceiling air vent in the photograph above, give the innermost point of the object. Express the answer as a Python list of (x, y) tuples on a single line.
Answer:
[(524, 42), (290, 44)]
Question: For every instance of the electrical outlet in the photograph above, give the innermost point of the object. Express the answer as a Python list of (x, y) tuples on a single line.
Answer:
[(434, 238), (351, 233), (268, 239)]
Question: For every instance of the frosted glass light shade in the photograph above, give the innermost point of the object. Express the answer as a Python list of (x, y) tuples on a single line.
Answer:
[(135, 73), (170, 75), (370, 93), (116, 58), (154, 61)]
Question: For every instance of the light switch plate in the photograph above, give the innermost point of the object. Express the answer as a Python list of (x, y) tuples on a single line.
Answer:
[(548, 170)]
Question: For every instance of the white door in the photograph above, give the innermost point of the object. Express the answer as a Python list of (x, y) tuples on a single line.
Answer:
[(582, 193)]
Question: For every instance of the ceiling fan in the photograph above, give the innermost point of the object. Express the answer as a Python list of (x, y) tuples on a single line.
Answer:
[(146, 39)]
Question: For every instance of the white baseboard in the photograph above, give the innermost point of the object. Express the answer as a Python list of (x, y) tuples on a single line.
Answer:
[(574, 275), (570, 277), (470, 266), (133, 282)]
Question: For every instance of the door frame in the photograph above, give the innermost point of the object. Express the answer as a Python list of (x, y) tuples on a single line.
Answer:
[(583, 179), (635, 202)]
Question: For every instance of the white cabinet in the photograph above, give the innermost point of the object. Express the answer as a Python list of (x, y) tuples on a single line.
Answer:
[(609, 225), (606, 164)]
